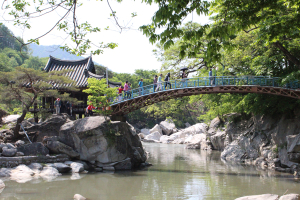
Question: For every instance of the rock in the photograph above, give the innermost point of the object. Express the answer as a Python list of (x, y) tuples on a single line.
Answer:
[(154, 136), (290, 197), (196, 129), (215, 123), (98, 169), (2, 185), (68, 163), (294, 157), (198, 141), (35, 166), (132, 129), (218, 140), (19, 143), (293, 143), (167, 126), (156, 128), (8, 152), (85, 165), (5, 172), (187, 124), (21, 174), (98, 140), (10, 118), (49, 173), (141, 135), (57, 147), (36, 148), (125, 164), (145, 131), (76, 167), (260, 197), (50, 127), (79, 197), (284, 159), (109, 168), (19, 153), (62, 168)]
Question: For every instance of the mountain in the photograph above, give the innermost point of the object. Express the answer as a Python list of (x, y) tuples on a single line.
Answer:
[(53, 50)]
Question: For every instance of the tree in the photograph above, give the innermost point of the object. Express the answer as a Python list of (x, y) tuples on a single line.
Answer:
[(276, 23), (25, 85), (100, 95)]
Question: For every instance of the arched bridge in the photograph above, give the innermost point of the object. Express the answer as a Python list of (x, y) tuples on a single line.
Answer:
[(147, 95)]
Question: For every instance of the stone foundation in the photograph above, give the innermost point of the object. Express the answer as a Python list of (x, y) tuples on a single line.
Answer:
[(10, 162)]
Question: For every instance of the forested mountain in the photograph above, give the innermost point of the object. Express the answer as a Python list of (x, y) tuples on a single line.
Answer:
[(43, 51)]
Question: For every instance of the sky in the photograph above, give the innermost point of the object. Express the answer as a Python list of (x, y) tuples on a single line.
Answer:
[(134, 50)]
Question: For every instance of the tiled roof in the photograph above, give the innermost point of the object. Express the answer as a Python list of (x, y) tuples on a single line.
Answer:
[(81, 70)]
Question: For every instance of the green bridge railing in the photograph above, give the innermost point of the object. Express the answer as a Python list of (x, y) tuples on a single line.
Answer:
[(205, 82)]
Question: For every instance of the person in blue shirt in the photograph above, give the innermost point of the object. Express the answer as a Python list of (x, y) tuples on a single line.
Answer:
[(210, 77), (141, 87)]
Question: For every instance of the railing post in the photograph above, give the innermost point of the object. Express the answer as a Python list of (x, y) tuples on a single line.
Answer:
[(222, 80), (273, 82), (198, 82), (247, 80), (175, 84)]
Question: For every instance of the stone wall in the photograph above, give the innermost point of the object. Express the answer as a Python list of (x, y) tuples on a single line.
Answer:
[(9, 162)]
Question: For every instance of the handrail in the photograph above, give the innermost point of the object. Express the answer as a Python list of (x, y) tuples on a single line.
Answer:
[(206, 82)]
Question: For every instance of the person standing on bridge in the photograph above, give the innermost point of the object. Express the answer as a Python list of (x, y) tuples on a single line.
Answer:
[(214, 73), (159, 83), (129, 91), (154, 83), (126, 89), (210, 77), (120, 92), (167, 81), (141, 92)]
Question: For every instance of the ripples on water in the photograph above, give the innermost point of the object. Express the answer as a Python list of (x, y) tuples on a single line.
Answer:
[(177, 173)]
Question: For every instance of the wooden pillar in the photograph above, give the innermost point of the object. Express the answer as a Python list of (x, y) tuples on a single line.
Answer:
[(80, 116)]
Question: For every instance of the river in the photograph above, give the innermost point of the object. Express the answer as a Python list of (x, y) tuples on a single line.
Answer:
[(177, 173)]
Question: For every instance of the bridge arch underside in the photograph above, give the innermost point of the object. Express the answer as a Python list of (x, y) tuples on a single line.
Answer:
[(128, 106)]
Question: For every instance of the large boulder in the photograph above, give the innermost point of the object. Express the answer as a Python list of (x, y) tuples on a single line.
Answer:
[(8, 152), (50, 127), (290, 197), (155, 136), (100, 141), (167, 126), (49, 173), (218, 140), (196, 129), (198, 141), (156, 128), (36, 148)]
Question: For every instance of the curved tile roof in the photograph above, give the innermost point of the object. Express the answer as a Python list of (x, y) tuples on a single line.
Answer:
[(82, 70)]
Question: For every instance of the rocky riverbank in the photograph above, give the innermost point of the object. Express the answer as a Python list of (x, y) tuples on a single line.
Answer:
[(264, 141), (60, 145)]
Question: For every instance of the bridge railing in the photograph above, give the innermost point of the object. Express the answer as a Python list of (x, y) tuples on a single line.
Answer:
[(205, 82)]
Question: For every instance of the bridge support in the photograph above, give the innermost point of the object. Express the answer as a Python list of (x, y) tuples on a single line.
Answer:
[(121, 118)]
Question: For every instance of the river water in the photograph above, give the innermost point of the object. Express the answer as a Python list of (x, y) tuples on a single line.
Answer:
[(177, 173)]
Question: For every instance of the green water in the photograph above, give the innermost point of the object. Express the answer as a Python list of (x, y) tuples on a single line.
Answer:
[(177, 173)]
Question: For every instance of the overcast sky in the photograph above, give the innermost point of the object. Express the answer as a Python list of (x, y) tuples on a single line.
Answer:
[(134, 50)]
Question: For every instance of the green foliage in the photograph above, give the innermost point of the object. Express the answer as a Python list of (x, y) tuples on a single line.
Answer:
[(100, 95)]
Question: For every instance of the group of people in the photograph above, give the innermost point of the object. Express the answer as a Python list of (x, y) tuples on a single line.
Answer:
[(157, 82), (62, 107), (126, 90)]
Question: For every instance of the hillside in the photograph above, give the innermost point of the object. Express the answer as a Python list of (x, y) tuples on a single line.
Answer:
[(53, 50)]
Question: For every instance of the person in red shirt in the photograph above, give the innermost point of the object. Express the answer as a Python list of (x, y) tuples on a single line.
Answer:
[(90, 110), (120, 92)]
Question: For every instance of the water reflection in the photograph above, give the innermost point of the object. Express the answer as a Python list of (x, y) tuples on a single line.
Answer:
[(177, 173)]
